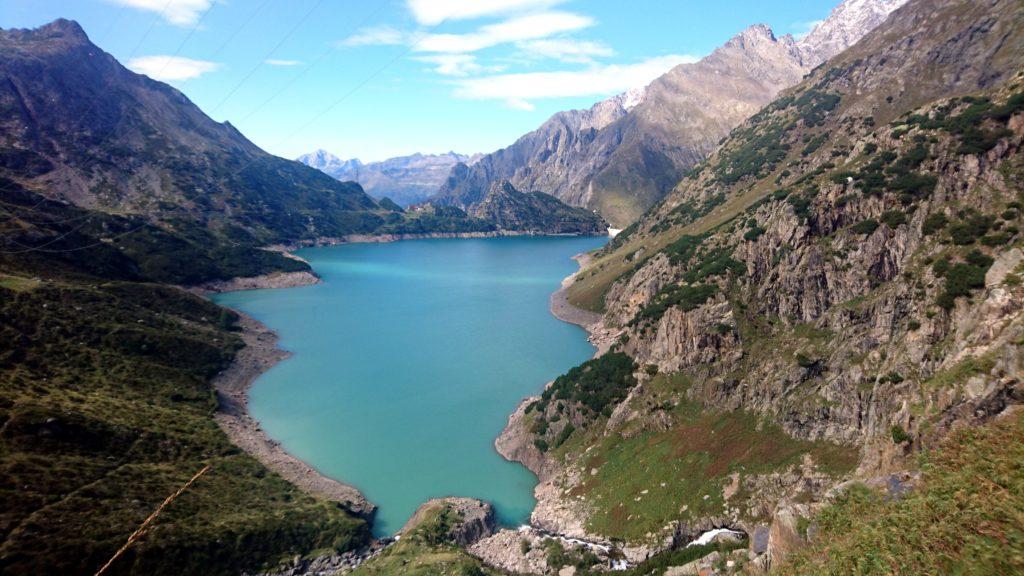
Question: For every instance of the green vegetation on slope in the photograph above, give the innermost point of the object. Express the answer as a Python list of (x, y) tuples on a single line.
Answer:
[(644, 481), (965, 517), (596, 384), (106, 409)]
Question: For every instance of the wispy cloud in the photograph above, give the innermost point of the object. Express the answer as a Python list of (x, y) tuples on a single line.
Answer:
[(518, 90), (517, 29), (566, 49), (433, 12), (277, 62), (457, 64), (166, 68), (177, 12), (383, 35), (801, 29)]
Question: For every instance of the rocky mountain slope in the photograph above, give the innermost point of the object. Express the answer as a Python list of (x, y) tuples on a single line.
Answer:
[(81, 128), (406, 180), (625, 153), (834, 290), (510, 209)]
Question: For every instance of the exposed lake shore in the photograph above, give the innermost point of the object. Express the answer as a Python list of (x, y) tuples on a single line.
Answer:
[(600, 336), (259, 355)]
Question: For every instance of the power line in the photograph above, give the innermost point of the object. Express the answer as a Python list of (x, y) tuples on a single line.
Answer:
[(316, 117), (316, 61), (238, 30), (269, 54)]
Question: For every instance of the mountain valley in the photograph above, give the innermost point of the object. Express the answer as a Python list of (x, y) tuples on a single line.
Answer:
[(808, 335)]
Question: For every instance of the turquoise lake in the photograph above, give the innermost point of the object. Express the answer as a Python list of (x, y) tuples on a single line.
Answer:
[(407, 361)]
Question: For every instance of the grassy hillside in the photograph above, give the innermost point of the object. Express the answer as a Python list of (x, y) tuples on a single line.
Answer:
[(965, 517), (106, 406)]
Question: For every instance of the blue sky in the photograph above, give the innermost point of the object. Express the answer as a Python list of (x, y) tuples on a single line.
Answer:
[(380, 78)]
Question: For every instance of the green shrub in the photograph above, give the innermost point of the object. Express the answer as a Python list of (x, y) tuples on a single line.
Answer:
[(865, 226), (933, 223), (596, 384), (753, 234), (993, 240), (899, 435), (804, 361), (801, 205), (564, 435), (684, 296), (893, 218), (962, 278), (556, 556)]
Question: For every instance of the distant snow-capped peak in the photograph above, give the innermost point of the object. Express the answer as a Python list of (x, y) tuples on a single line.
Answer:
[(631, 98), (847, 24)]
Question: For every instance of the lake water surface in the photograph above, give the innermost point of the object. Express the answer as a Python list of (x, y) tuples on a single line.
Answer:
[(409, 358)]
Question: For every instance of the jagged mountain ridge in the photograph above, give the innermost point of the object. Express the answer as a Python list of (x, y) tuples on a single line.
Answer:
[(845, 267), (620, 160), (407, 180)]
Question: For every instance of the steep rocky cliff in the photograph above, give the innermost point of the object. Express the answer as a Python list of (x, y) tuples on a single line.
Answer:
[(625, 153), (835, 289)]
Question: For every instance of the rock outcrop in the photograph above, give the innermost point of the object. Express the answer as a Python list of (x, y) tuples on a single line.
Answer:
[(467, 520)]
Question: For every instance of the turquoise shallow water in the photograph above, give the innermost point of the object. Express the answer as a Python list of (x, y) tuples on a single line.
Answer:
[(409, 358)]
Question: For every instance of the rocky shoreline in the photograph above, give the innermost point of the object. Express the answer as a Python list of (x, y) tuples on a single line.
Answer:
[(232, 385), (599, 335), (382, 238), (268, 281)]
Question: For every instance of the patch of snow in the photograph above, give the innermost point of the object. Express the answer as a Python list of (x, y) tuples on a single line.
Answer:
[(707, 537)]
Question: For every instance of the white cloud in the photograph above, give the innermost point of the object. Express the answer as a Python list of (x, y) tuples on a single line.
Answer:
[(433, 12), (177, 12), (801, 29), (453, 64), (457, 64), (566, 49), (165, 68), (520, 28), (375, 36), (518, 90), (277, 62)]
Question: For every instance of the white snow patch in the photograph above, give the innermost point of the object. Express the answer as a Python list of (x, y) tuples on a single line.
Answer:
[(707, 537)]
